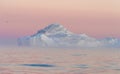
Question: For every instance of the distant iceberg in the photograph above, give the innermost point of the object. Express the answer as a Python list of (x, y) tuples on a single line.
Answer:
[(55, 35)]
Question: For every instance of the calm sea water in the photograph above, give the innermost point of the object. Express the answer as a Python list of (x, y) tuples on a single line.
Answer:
[(18, 60)]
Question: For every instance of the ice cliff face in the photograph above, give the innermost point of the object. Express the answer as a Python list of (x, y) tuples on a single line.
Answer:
[(55, 35)]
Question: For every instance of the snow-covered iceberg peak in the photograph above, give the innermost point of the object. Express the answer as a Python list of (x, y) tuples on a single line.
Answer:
[(53, 29)]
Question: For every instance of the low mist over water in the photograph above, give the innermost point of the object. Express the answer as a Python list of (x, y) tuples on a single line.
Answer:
[(8, 42)]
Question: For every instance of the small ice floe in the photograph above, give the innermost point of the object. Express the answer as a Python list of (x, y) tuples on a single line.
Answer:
[(8, 65), (82, 66), (112, 66), (79, 54)]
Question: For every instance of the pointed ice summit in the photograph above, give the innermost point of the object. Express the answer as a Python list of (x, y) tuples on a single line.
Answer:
[(54, 29), (55, 35)]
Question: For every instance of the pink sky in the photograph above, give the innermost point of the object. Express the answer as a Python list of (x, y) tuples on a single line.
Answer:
[(97, 18)]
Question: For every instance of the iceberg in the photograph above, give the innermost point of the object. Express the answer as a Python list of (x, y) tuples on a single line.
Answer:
[(56, 35)]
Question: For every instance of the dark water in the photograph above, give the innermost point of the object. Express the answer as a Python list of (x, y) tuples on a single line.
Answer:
[(38, 65)]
